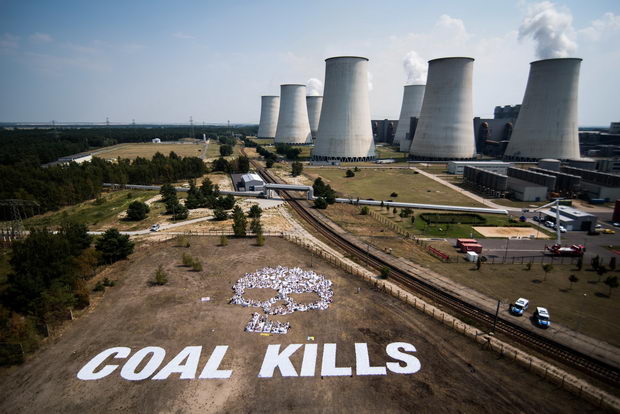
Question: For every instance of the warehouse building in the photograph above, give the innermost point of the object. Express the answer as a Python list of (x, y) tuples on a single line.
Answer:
[(568, 185), (457, 167), (488, 182), (532, 177), (597, 185), (526, 190), (572, 219)]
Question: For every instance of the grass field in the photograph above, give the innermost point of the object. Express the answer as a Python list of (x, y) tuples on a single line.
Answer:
[(147, 150), (263, 141), (101, 214), (378, 184), (384, 152)]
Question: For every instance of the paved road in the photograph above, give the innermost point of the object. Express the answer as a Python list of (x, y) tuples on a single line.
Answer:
[(162, 227)]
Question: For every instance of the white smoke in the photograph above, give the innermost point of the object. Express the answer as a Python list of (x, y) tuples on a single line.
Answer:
[(314, 87), (416, 68), (551, 28), (370, 86)]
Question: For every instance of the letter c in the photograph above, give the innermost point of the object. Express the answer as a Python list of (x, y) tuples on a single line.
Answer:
[(87, 373)]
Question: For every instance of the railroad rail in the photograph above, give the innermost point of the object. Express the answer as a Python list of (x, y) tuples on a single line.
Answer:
[(540, 343)]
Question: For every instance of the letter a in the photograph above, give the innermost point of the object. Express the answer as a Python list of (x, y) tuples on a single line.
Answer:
[(178, 364), (274, 359)]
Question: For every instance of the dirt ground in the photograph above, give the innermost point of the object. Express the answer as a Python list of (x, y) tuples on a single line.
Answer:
[(455, 376), (521, 232)]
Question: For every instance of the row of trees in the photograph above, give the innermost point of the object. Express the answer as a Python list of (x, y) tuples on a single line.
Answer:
[(324, 192)]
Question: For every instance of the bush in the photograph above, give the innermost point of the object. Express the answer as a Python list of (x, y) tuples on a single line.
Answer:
[(260, 239), (108, 283), (161, 277), (385, 272), (114, 246), (197, 265), (365, 211), (219, 214), (255, 211), (296, 168), (223, 240), (240, 223), (394, 195), (99, 287), (350, 174), (137, 210), (226, 150), (320, 203), (182, 241), (187, 259), (180, 212), (452, 218), (269, 163)]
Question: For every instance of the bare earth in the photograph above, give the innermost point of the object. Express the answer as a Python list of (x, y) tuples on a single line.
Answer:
[(455, 376), (513, 232)]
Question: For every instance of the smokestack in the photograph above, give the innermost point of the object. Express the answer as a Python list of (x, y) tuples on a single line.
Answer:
[(412, 104), (269, 108), (547, 123), (446, 129), (293, 124), (314, 104), (345, 133)]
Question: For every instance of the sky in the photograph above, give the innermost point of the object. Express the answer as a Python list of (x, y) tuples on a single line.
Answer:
[(162, 61)]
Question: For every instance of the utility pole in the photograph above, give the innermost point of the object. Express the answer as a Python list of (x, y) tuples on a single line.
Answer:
[(495, 319), (191, 127)]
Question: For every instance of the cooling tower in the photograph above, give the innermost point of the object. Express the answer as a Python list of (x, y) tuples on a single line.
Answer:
[(446, 129), (345, 132), (269, 108), (547, 122), (293, 125), (314, 104), (412, 104)]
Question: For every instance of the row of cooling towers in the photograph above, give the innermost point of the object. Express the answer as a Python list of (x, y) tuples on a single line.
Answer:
[(339, 122)]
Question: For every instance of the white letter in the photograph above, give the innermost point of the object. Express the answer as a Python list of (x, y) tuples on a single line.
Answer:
[(362, 363), (88, 371), (275, 359), (309, 362), (211, 367), (129, 369), (412, 364), (328, 368), (187, 370)]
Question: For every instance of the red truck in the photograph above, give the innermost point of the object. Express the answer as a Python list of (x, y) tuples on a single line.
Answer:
[(559, 250)]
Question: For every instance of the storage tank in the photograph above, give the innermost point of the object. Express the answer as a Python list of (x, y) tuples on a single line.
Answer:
[(549, 164), (547, 123), (412, 104), (446, 129), (345, 131), (269, 108), (293, 125), (314, 104)]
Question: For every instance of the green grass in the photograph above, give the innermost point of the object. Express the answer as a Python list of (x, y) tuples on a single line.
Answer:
[(262, 141), (384, 152), (378, 184), (94, 214)]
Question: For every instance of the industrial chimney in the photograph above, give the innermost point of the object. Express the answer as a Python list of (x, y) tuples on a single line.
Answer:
[(446, 129), (293, 126), (314, 104), (412, 104), (547, 123), (269, 108), (345, 132)]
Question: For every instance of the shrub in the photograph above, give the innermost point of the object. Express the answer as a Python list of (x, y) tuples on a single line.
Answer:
[(161, 277), (137, 210), (99, 287), (108, 283), (187, 259), (350, 174), (269, 163), (180, 212), (296, 168), (385, 272), (182, 241), (239, 222), (255, 211), (320, 203), (114, 246), (197, 265), (219, 214), (394, 195), (223, 240), (365, 211), (260, 239)]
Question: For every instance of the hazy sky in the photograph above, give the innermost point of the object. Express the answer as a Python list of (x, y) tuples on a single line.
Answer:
[(164, 61)]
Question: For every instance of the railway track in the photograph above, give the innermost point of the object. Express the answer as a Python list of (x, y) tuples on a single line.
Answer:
[(411, 282)]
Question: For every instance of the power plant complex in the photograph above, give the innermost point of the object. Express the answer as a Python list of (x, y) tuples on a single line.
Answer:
[(436, 120), (293, 125), (345, 133), (547, 123)]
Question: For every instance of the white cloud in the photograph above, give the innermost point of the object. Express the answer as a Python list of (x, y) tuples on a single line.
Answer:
[(41, 38), (608, 25), (181, 35), (9, 41), (452, 27), (551, 27)]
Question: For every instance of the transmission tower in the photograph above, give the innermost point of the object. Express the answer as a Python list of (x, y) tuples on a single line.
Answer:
[(12, 212)]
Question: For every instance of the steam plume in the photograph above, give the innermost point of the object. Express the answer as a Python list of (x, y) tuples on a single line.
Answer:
[(416, 68), (314, 87), (551, 28)]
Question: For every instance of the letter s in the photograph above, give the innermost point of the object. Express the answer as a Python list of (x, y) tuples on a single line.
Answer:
[(88, 371), (412, 364)]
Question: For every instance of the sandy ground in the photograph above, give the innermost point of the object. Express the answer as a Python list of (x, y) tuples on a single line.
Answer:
[(511, 232), (455, 376)]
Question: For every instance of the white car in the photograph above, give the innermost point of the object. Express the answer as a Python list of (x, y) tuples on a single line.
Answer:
[(541, 317), (519, 306), (549, 224), (155, 227), (562, 229)]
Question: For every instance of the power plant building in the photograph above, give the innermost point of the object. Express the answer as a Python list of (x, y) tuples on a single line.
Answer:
[(488, 182), (413, 96), (293, 124), (547, 124), (314, 104), (458, 167), (445, 128), (269, 109), (345, 132)]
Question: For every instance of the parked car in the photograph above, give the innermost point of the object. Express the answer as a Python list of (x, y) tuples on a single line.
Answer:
[(549, 224), (541, 317), (616, 224), (607, 231), (562, 229), (519, 306), (598, 226), (155, 227), (536, 218)]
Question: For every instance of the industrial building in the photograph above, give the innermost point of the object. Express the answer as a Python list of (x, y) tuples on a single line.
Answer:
[(314, 104), (457, 167), (293, 122), (383, 130), (345, 132), (77, 158), (445, 129), (547, 123), (488, 182), (269, 109), (566, 185), (549, 164), (526, 190), (545, 180), (493, 134), (572, 219), (413, 96), (596, 184), (248, 182)]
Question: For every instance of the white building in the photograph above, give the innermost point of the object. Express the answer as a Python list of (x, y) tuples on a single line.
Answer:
[(252, 182), (156, 141)]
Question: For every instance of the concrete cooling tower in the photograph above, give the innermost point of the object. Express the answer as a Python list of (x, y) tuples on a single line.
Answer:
[(293, 126), (345, 132), (547, 123), (314, 104), (269, 108), (445, 129), (412, 104)]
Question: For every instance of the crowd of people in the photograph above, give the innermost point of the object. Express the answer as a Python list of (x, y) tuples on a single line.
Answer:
[(285, 281), (262, 324)]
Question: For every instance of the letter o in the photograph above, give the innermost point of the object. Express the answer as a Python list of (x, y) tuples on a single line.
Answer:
[(129, 369)]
